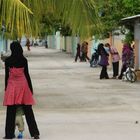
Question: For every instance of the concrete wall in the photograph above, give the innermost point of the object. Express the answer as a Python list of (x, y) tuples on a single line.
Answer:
[(58, 39), (51, 41), (137, 44), (62, 43), (67, 43), (71, 44)]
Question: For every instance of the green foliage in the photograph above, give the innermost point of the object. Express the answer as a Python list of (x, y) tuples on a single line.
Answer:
[(66, 30), (16, 17), (112, 11), (75, 17), (79, 15), (129, 37)]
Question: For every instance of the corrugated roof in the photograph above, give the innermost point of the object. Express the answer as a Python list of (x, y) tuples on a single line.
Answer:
[(131, 17)]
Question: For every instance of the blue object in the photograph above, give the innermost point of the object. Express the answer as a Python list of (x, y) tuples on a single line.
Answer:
[(20, 135)]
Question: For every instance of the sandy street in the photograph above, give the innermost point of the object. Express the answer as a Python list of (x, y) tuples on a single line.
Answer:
[(74, 104)]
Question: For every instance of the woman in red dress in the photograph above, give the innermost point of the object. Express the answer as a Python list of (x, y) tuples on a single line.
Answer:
[(18, 92)]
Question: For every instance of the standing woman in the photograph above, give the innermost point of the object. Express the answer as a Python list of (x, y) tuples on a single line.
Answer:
[(18, 92), (103, 61), (115, 57), (126, 56)]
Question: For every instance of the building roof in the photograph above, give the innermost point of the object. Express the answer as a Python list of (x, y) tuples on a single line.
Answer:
[(130, 21), (131, 17)]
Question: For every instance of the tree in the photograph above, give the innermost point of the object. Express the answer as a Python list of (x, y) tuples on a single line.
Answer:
[(112, 11), (83, 17), (24, 16), (16, 17)]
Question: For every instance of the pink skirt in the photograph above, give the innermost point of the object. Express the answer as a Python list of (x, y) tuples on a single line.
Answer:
[(17, 91)]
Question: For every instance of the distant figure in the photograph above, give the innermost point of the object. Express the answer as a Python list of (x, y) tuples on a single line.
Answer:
[(18, 91), (115, 57), (84, 50), (28, 44), (103, 61), (78, 55), (46, 44)]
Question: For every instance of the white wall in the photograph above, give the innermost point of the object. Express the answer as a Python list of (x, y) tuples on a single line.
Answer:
[(137, 44)]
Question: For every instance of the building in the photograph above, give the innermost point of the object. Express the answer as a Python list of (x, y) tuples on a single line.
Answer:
[(135, 22)]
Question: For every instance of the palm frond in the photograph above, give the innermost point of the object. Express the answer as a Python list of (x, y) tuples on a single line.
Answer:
[(16, 17), (81, 15)]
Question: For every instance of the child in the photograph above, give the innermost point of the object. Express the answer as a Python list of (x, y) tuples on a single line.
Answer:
[(19, 121)]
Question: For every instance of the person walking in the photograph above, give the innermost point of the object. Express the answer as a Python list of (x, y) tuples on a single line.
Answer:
[(28, 44), (103, 61), (85, 51), (46, 44), (83, 59), (18, 91), (78, 55), (115, 57)]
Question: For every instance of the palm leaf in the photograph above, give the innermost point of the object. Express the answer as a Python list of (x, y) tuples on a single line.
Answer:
[(16, 17), (81, 15)]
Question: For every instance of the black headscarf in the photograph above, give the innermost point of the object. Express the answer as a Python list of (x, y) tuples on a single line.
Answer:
[(101, 49), (16, 49)]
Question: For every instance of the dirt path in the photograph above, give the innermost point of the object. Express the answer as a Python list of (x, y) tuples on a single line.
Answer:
[(73, 104)]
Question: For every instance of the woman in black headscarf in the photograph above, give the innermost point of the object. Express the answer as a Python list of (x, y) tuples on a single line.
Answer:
[(18, 91), (103, 61)]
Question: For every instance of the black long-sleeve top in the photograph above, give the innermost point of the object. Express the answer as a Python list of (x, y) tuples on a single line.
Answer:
[(17, 62)]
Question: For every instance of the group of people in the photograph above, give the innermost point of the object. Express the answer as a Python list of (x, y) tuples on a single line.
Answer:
[(104, 50), (82, 52)]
